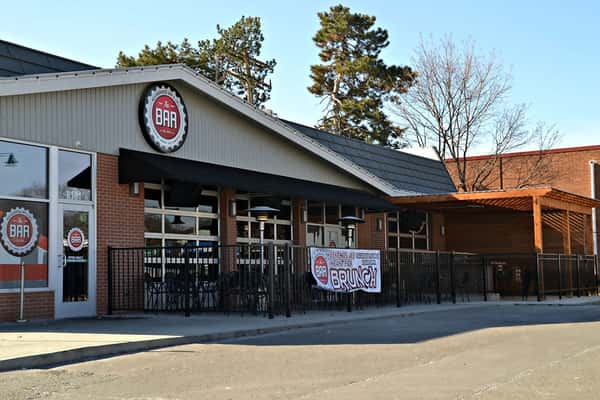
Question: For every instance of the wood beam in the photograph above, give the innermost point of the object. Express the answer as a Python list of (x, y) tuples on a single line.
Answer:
[(538, 240), (563, 205), (567, 233)]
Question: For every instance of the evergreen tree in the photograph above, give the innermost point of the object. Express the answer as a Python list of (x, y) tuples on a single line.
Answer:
[(353, 80), (231, 59)]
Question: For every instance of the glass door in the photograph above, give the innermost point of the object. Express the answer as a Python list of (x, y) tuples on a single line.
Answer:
[(76, 294)]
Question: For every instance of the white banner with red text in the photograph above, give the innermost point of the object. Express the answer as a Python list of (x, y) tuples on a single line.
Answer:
[(346, 270)]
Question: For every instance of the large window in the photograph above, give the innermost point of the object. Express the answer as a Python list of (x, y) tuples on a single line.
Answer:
[(168, 225), (23, 215), (74, 176), (408, 229), (278, 229), (323, 227)]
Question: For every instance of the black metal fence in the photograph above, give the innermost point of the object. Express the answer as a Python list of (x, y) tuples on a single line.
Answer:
[(276, 279)]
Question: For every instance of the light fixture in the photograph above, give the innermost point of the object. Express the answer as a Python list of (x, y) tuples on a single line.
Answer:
[(232, 208), (304, 215), (11, 160), (134, 188), (379, 224)]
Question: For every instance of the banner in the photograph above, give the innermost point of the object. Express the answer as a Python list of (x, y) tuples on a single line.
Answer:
[(346, 270)]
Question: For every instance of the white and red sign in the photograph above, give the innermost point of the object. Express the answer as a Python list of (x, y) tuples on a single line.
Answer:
[(75, 239), (19, 232), (346, 270), (163, 118)]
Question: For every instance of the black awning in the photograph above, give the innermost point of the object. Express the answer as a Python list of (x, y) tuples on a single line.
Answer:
[(136, 166)]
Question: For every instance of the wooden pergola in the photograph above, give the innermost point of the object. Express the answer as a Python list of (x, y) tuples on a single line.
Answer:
[(565, 212)]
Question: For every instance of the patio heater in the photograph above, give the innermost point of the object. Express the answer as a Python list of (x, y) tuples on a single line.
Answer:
[(349, 222), (262, 213)]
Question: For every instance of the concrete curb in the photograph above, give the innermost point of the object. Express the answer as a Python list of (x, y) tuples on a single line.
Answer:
[(103, 351)]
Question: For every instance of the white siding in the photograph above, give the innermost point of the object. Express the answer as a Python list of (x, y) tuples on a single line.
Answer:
[(106, 119)]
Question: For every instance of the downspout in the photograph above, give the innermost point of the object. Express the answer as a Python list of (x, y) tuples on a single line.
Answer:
[(594, 211)]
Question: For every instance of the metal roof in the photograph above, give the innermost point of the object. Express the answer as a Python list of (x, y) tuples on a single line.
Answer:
[(407, 172), (18, 60)]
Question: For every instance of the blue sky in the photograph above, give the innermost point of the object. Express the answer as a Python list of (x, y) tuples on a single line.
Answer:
[(550, 47)]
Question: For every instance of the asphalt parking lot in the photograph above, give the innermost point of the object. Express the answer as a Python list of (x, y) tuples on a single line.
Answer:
[(495, 352)]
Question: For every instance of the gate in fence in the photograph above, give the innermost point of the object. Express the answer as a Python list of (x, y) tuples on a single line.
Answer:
[(277, 279)]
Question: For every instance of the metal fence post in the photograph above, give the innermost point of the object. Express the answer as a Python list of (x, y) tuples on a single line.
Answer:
[(398, 281), (538, 276), (186, 279), (452, 278), (578, 276), (597, 275), (272, 264), (559, 279), (438, 294), (288, 280), (484, 277), (110, 280)]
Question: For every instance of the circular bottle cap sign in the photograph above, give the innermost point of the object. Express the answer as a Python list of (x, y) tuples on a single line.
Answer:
[(321, 270), (163, 118), (19, 232), (75, 239)]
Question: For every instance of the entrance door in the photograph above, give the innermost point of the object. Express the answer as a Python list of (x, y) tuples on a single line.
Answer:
[(333, 237), (76, 288)]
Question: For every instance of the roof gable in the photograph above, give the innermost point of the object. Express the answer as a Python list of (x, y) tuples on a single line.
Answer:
[(45, 83)]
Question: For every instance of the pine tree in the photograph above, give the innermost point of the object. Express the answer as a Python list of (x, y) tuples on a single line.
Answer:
[(231, 59), (353, 81)]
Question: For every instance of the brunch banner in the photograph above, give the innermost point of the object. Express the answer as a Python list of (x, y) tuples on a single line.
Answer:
[(346, 270)]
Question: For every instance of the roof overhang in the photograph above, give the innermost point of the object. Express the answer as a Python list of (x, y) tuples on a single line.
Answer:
[(515, 200), (42, 83)]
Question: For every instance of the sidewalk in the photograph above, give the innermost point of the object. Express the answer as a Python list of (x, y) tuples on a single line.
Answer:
[(39, 344)]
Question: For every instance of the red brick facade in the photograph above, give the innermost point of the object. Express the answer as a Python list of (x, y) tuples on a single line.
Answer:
[(370, 235), (120, 221), (38, 305), (566, 169)]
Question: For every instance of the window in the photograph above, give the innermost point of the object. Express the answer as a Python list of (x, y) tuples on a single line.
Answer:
[(323, 226), (408, 229), (15, 238), (175, 225), (74, 176), (23, 170), (278, 228)]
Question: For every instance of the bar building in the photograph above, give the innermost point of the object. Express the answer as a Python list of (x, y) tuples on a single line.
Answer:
[(159, 156)]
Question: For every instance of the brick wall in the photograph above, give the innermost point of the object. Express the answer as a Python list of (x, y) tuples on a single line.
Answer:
[(38, 305), (568, 169), (299, 228), (368, 235), (120, 219)]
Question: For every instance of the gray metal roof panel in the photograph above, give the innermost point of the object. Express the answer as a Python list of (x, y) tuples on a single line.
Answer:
[(20, 60), (403, 170)]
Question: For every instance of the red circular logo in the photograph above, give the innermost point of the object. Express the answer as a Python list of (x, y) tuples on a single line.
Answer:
[(321, 270), (165, 117), (75, 239), (19, 232)]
